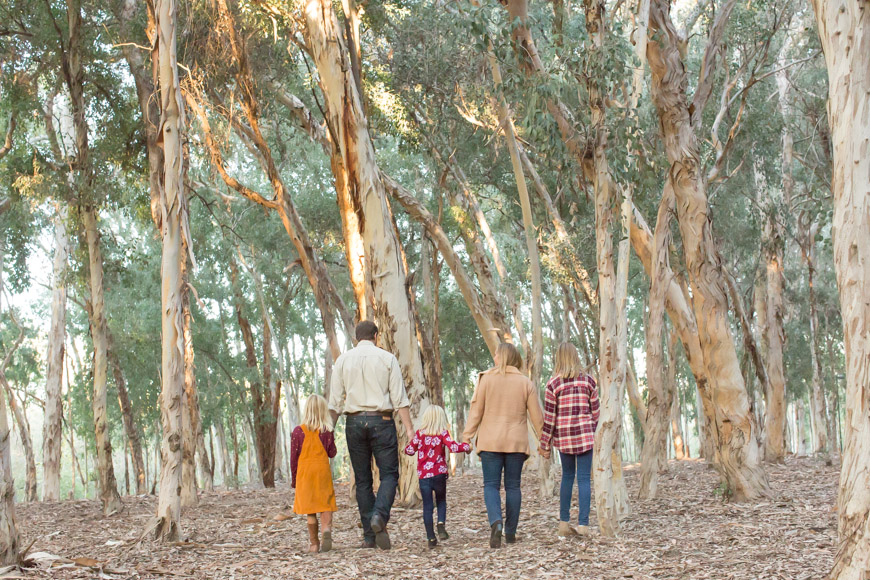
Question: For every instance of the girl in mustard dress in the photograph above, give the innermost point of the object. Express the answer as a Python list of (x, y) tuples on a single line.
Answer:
[(311, 446)]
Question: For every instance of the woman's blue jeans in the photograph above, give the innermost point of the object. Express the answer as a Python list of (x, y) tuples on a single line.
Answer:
[(582, 465), (511, 464)]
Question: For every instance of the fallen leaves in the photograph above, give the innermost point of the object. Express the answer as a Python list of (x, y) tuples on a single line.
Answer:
[(685, 534)]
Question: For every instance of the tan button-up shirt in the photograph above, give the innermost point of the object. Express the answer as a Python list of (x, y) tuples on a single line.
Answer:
[(366, 378)]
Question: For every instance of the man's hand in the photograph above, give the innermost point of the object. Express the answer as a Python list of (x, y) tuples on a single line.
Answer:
[(405, 416)]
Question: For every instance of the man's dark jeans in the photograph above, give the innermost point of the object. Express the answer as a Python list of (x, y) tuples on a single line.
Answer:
[(367, 437), (511, 464), (438, 486)]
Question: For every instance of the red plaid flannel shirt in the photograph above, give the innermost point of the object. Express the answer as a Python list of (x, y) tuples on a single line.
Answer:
[(570, 414)]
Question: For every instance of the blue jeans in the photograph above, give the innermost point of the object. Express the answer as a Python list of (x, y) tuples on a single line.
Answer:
[(436, 486), (582, 464), (367, 437), (512, 465)]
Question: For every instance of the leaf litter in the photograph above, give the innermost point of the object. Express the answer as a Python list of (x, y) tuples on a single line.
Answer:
[(688, 532)]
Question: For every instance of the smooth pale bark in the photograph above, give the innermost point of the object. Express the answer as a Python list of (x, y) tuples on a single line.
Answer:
[(26, 442), (167, 524), (660, 397), (52, 430), (738, 452), (109, 497), (392, 310), (844, 28)]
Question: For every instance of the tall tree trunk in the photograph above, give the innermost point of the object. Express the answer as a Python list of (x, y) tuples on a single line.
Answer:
[(359, 171), (109, 496), (844, 28), (130, 427), (167, 526), (821, 442), (52, 438), (739, 457), (226, 462), (660, 397), (681, 447), (192, 437)]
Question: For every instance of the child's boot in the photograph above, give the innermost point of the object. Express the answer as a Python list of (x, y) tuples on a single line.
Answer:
[(313, 540), (566, 530), (432, 543), (442, 532), (326, 541)]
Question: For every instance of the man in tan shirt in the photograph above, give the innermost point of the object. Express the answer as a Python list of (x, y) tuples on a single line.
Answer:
[(367, 386)]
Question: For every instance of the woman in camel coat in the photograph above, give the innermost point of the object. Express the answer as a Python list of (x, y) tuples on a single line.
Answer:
[(503, 401)]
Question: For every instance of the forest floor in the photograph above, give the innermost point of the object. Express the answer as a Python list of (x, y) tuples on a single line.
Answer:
[(687, 533)]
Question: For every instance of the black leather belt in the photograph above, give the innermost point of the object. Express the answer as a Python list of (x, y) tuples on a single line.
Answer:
[(387, 414)]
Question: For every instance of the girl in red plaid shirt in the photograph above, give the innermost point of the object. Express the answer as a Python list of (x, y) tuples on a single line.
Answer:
[(570, 420)]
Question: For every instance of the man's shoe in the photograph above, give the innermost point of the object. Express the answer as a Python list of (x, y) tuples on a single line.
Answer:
[(510, 538), (432, 543), (442, 532), (379, 527), (566, 530), (495, 535), (367, 545)]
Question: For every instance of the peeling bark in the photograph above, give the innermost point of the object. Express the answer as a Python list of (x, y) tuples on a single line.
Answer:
[(844, 29)]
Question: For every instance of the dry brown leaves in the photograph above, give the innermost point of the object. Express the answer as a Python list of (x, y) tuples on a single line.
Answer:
[(688, 533)]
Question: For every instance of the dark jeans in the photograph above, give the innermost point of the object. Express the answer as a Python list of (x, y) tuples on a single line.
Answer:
[(582, 464), (436, 486), (369, 437), (512, 465)]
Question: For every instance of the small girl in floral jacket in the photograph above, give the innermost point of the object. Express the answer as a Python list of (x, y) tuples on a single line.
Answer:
[(428, 444)]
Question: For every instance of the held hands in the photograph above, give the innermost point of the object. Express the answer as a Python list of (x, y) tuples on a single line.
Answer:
[(545, 453)]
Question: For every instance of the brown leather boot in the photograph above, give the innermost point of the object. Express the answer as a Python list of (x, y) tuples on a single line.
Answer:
[(313, 539)]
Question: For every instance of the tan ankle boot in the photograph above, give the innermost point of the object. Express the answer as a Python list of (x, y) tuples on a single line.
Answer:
[(313, 539), (583, 531), (566, 530)]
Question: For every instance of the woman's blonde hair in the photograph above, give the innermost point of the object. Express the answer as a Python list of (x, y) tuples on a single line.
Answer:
[(316, 415), (434, 421), (507, 355), (566, 362)]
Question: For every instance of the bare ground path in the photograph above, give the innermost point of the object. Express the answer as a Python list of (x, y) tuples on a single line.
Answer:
[(687, 533)]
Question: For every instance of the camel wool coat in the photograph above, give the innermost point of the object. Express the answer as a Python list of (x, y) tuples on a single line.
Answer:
[(499, 409)]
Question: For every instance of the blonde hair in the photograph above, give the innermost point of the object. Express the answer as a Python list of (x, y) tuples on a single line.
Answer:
[(316, 416), (434, 421), (566, 362), (507, 355)]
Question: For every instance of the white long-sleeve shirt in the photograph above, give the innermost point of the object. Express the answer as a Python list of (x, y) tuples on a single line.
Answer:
[(367, 378)]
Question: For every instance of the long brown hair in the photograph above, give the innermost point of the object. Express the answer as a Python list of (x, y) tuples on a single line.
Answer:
[(507, 355)]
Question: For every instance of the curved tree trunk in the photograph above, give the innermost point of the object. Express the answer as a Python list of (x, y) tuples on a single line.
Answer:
[(167, 526), (844, 28), (739, 457), (52, 433), (109, 496), (392, 309)]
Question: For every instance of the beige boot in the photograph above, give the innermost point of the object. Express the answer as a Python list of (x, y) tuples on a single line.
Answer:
[(566, 530), (583, 531), (313, 539)]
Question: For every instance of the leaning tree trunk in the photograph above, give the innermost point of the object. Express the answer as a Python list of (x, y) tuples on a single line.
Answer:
[(109, 496), (167, 526), (660, 397), (739, 457), (844, 28), (52, 433), (9, 540), (130, 427), (26, 441), (392, 309)]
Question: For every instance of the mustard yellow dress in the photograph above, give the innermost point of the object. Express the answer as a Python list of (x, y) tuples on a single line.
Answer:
[(312, 476)]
